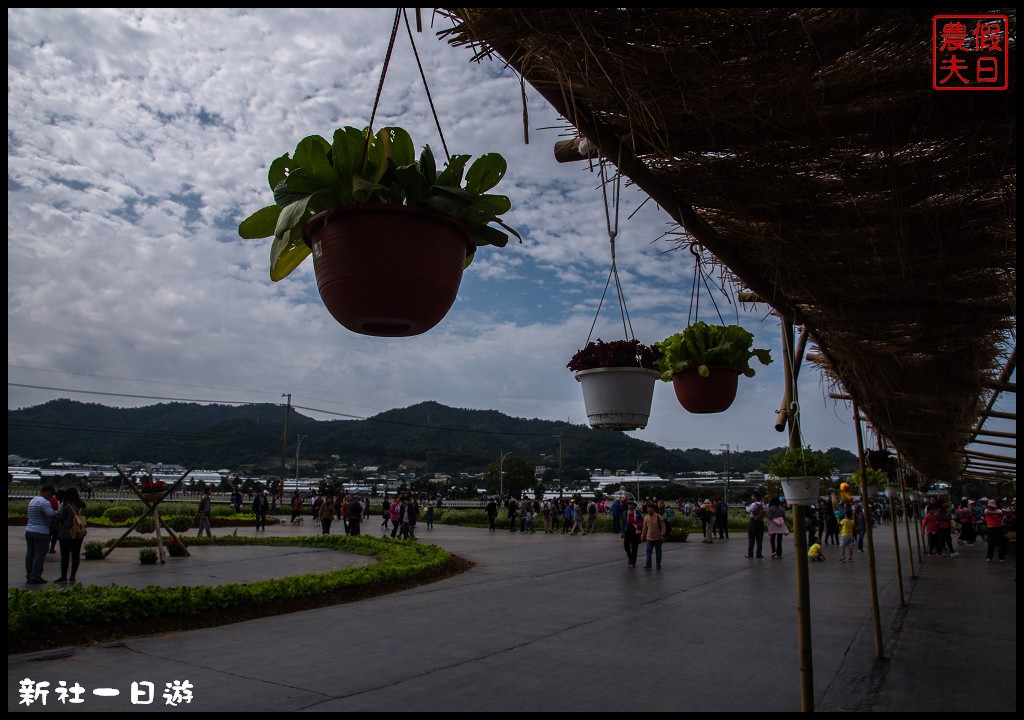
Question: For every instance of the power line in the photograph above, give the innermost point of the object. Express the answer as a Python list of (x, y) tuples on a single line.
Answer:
[(481, 431), (128, 395)]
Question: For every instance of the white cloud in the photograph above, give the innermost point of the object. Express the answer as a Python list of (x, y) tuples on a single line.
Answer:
[(138, 139)]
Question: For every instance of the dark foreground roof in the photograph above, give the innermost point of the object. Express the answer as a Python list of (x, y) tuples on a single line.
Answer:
[(807, 150)]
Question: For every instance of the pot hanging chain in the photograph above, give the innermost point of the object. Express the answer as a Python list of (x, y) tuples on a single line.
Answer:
[(399, 15), (613, 231), (699, 276)]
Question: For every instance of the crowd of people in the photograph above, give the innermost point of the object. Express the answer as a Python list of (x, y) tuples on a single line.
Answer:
[(56, 519)]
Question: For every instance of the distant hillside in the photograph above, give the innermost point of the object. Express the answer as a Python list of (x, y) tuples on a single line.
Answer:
[(429, 436)]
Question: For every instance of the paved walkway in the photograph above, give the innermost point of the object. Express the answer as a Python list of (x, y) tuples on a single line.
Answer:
[(559, 623)]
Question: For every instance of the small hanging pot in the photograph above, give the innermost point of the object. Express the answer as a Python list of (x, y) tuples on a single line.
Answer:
[(618, 398), (711, 394), (801, 490)]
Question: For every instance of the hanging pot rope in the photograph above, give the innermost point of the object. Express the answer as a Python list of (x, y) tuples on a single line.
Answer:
[(613, 229), (400, 14), (380, 84), (700, 276), (423, 75)]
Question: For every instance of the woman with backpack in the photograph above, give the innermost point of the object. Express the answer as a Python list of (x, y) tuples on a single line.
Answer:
[(71, 530)]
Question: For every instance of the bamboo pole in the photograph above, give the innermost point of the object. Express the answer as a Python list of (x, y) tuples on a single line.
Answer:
[(869, 537), (803, 590)]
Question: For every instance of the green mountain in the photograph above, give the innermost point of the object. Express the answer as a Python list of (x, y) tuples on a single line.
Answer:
[(429, 436)]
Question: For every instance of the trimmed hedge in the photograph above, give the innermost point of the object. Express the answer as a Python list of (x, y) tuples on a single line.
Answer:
[(79, 607)]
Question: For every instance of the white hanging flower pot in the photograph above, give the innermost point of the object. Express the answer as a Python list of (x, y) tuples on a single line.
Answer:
[(891, 492), (801, 490), (872, 491), (618, 398)]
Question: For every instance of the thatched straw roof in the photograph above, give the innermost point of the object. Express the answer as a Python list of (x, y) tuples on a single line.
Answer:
[(807, 150)]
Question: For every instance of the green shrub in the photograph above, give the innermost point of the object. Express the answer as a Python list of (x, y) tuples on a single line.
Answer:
[(93, 550), (180, 523), (78, 606), (119, 513), (467, 518), (146, 526)]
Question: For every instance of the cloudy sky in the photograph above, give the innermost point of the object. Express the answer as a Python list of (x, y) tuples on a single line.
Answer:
[(137, 141)]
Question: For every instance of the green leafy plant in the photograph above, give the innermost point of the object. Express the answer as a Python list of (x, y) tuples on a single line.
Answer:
[(617, 353), (875, 477), (362, 168), (147, 556), (93, 550), (701, 346), (800, 462)]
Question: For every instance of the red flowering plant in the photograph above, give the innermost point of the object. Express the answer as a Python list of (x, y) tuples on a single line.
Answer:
[(617, 353), (176, 549), (153, 486)]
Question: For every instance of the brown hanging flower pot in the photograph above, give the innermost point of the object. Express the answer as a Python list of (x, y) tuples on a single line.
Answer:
[(387, 270), (711, 394)]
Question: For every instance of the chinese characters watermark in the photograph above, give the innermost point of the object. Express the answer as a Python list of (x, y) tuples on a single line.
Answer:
[(176, 692), (969, 52)]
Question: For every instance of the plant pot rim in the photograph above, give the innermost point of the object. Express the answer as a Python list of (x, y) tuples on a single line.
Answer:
[(391, 209), (722, 368), (594, 371)]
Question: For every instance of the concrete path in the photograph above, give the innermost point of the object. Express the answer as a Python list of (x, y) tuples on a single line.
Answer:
[(559, 623)]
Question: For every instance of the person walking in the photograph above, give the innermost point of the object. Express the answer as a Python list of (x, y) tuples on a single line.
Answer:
[(847, 540), (706, 514), (355, 515), (428, 514), (260, 508), (591, 517), (930, 527), (965, 518), (325, 513), (204, 514), (37, 534), (55, 501), (777, 529), (395, 515), (513, 512), (653, 533), (492, 514), (632, 527), (71, 530), (945, 532), (721, 518), (995, 531), (577, 518), (755, 527)]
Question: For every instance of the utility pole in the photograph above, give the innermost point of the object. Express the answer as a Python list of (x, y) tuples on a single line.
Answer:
[(297, 446), (726, 473), (279, 495), (501, 472), (639, 465), (560, 464)]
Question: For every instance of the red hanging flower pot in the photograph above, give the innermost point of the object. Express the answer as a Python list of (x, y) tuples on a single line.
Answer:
[(711, 394), (387, 270)]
